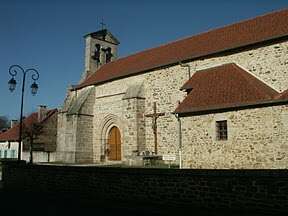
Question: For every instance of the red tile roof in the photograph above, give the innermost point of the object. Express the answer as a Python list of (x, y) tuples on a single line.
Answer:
[(221, 87), (283, 95), (262, 28), (13, 133)]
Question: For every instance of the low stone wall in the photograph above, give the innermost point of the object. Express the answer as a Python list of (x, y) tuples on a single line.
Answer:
[(261, 190)]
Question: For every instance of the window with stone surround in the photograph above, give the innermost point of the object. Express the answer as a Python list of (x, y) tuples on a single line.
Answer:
[(221, 130)]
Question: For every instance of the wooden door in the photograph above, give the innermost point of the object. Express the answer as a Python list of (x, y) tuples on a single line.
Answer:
[(114, 143)]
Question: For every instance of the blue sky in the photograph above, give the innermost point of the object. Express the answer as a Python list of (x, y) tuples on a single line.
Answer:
[(48, 36)]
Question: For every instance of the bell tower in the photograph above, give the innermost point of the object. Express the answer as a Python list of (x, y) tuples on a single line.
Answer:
[(100, 48)]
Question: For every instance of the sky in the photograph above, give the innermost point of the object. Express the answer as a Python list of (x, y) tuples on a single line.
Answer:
[(47, 35)]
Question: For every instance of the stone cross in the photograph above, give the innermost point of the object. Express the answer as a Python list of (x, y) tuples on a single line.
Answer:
[(154, 117)]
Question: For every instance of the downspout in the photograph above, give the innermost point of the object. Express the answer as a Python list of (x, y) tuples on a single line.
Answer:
[(180, 140), (189, 68)]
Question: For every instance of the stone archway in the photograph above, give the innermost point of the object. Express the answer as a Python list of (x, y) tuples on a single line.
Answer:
[(114, 144), (109, 122)]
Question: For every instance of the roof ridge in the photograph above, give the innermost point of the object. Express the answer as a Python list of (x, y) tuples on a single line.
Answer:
[(239, 88), (249, 81), (204, 70), (12, 134), (49, 114), (200, 33), (232, 36)]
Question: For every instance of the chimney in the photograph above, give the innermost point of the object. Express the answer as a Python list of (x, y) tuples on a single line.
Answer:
[(13, 123), (42, 112)]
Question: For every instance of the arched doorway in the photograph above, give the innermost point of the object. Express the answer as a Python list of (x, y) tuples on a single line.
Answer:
[(114, 144)]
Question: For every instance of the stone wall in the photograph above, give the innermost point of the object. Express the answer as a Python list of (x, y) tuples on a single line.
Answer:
[(66, 131), (84, 131), (66, 138), (108, 112), (84, 147), (74, 135), (161, 87), (257, 139), (259, 190), (135, 130), (267, 62), (39, 156)]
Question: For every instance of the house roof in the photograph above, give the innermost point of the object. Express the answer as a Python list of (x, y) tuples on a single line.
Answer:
[(262, 28), (13, 133), (225, 86)]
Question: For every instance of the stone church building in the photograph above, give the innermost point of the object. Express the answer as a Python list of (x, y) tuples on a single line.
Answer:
[(218, 99)]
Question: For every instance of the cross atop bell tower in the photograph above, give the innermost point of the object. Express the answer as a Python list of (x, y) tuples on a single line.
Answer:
[(102, 25), (100, 48)]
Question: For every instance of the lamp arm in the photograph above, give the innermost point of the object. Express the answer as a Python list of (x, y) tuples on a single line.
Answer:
[(14, 69), (35, 75)]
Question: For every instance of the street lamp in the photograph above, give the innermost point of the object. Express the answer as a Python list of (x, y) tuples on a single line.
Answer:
[(13, 70)]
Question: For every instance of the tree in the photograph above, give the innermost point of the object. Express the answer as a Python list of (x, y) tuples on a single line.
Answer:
[(31, 133), (4, 123)]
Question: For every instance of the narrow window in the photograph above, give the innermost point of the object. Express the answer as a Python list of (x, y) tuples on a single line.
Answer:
[(221, 130), (5, 153), (96, 55), (13, 155), (108, 54)]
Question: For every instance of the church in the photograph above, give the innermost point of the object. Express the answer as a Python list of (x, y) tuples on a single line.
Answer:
[(215, 100)]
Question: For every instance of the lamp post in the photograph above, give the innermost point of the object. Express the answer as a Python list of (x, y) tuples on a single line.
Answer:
[(13, 70)]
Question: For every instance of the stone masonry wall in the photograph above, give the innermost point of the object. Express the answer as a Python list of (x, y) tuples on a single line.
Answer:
[(66, 138), (267, 62), (130, 116), (84, 134), (61, 125), (66, 130), (135, 130), (39, 156), (75, 131), (84, 146), (257, 139), (165, 92), (108, 112), (245, 190)]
